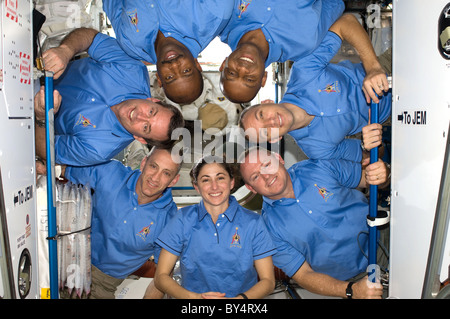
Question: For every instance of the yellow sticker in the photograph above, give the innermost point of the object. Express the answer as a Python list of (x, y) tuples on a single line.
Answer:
[(45, 293)]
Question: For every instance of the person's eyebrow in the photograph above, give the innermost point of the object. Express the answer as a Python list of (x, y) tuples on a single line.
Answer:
[(228, 79), (170, 171)]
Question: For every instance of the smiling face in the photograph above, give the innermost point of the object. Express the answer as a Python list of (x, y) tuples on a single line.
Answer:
[(144, 119), (266, 122), (243, 74), (214, 184), (264, 173), (159, 171), (179, 73)]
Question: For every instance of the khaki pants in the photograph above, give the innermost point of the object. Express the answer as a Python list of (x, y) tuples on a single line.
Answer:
[(103, 286)]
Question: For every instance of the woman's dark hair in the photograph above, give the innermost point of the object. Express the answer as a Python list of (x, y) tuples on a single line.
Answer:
[(229, 167)]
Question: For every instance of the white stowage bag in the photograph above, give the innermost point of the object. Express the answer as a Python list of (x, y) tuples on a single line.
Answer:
[(73, 220), (42, 217), (85, 241), (74, 211)]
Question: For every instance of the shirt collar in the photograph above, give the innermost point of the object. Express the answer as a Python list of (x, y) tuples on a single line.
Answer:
[(295, 184), (300, 132), (230, 213), (275, 50), (132, 180)]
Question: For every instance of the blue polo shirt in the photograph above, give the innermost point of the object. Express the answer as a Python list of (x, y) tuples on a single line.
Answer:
[(193, 23), (87, 131), (333, 94), (217, 257), (321, 225), (123, 233), (292, 28)]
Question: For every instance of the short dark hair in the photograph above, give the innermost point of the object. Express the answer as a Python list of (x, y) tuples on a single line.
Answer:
[(176, 121)]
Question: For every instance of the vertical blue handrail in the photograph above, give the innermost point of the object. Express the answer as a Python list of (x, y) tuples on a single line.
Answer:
[(51, 206), (373, 201)]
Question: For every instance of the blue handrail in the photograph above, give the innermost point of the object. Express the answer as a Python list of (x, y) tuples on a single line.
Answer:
[(51, 206), (373, 202)]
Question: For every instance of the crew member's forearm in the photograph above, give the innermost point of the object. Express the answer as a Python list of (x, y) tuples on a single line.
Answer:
[(40, 143), (261, 289), (78, 40), (166, 284), (321, 284), (350, 30)]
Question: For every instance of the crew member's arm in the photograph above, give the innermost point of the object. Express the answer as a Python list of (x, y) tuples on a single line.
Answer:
[(372, 136), (326, 285), (152, 292), (266, 282), (164, 281), (56, 59), (377, 173), (39, 113), (348, 28)]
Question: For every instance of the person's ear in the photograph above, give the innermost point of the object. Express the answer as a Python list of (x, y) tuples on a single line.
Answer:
[(264, 79), (222, 66), (250, 188), (278, 156), (144, 160), (140, 139), (158, 79), (196, 188), (198, 66), (174, 181), (276, 139)]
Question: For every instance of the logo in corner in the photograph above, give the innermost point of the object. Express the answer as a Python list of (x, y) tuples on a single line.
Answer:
[(133, 18), (324, 192), (243, 6), (236, 239), (331, 88), (84, 121), (145, 232)]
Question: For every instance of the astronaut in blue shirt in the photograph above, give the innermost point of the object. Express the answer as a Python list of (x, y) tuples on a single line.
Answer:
[(106, 102), (315, 215), (262, 32), (223, 248), (323, 104), (170, 34), (130, 209)]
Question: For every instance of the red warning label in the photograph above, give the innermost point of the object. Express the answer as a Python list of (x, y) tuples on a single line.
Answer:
[(25, 68), (11, 9)]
